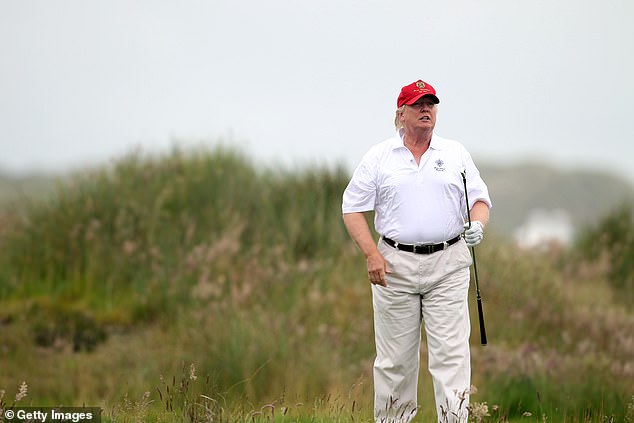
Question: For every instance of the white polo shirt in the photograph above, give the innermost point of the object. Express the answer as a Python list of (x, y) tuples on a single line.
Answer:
[(415, 204)]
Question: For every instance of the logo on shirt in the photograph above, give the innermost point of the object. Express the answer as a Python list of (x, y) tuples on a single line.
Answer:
[(439, 165)]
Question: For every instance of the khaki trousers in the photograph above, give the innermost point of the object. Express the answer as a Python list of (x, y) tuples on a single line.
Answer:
[(433, 289)]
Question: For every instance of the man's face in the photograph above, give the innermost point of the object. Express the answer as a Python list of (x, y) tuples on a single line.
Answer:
[(420, 115)]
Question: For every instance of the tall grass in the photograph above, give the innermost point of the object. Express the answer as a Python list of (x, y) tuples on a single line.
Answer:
[(131, 274)]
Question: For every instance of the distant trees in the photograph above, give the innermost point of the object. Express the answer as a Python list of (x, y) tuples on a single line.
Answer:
[(612, 240)]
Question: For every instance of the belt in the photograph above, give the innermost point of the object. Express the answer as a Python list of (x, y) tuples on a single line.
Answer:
[(421, 248)]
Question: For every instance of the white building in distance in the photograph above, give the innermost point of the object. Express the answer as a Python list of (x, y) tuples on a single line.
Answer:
[(543, 228)]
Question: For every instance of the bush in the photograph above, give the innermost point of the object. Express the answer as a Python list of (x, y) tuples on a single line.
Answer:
[(612, 241)]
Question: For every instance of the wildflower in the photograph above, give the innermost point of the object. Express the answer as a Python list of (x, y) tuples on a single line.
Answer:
[(479, 411), (192, 372), (22, 393)]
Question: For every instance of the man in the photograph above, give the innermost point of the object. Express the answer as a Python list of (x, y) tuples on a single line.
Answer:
[(419, 269)]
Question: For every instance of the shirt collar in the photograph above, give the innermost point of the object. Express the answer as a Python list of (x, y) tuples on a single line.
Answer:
[(436, 141)]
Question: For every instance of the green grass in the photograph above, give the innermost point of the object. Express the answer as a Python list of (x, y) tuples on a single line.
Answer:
[(111, 289)]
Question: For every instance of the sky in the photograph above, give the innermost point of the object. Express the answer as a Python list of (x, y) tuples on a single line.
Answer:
[(83, 82)]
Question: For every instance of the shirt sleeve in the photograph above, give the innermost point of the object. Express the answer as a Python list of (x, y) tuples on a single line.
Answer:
[(360, 194), (476, 187)]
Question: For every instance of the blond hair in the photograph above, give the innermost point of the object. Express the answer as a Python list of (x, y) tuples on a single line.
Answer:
[(397, 122)]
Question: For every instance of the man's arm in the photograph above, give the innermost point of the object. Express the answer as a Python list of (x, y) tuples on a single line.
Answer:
[(480, 212), (360, 232)]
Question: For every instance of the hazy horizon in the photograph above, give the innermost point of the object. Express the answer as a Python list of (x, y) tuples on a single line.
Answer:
[(296, 83)]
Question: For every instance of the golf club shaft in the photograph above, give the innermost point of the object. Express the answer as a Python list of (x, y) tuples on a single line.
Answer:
[(483, 333)]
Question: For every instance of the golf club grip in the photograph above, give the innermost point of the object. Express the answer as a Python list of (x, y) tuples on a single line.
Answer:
[(483, 332)]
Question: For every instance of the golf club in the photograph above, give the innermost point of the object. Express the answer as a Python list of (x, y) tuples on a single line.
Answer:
[(483, 333)]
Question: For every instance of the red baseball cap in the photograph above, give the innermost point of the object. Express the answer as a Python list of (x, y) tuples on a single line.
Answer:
[(412, 92)]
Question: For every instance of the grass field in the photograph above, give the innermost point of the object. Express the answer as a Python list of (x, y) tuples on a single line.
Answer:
[(199, 287)]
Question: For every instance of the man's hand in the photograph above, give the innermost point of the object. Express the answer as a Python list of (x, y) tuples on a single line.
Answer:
[(359, 231), (377, 268), (473, 234)]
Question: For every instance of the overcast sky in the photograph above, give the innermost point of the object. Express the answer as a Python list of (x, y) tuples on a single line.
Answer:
[(83, 82)]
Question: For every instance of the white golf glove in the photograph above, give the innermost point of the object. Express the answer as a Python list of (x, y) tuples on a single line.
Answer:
[(474, 234)]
